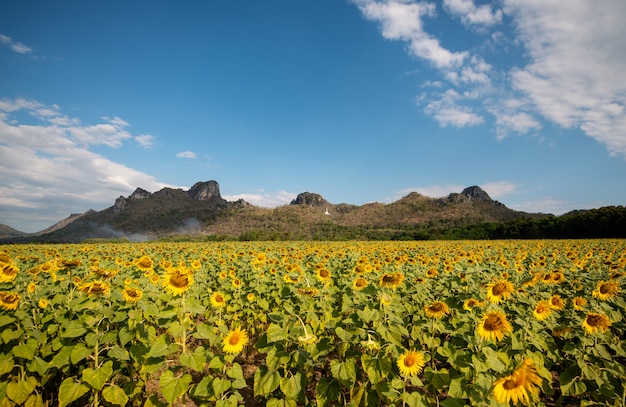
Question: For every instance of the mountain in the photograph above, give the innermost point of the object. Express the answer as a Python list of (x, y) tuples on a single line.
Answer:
[(201, 212)]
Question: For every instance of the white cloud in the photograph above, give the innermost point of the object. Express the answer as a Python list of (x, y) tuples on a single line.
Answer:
[(448, 112), (187, 154), (402, 20), (577, 64), (498, 189), (47, 170), (15, 45), (264, 199), (145, 140), (470, 14), (548, 205)]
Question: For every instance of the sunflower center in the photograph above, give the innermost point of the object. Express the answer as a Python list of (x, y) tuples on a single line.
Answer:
[(219, 298), (436, 307), (493, 323), (499, 289), (179, 280), (594, 320), (234, 339), (409, 360), (324, 273), (10, 299), (510, 384), (360, 283), (606, 289)]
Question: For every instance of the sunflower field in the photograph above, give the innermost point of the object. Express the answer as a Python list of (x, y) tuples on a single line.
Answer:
[(448, 323)]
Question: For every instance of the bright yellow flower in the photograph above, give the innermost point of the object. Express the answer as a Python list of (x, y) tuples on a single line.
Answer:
[(235, 341), (579, 303), (42, 303), (494, 326), (500, 290), (32, 287), (9, 301), (542, 310), (436, 310), (217, 300), (411, 363), (323, 275), (557, 302), (177, 281), (8, 272), (144, 263), (131, 295), (521, 386), (606, 290), (359, 283), (391, 280), (595, 323), (471, 303), (97, 287)]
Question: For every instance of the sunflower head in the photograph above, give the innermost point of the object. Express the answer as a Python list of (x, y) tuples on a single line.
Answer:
[(557, 303), (436, 310), (217, 300), (131, 295), (606, 290), (595, 323), (9, 301), (471, 303), (177, 281), (235, 341), (359, 283), (391, 280), (542, 310), (411, 362), (494, 327), (97, 287), (522, 385), (579, 303), (8, 272), (499, 291)]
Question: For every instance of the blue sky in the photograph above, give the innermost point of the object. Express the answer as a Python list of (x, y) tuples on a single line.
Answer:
[(359, 101)]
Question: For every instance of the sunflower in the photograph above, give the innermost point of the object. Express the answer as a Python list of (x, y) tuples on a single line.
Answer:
[(500, 290), (311, 292), (132, 295), (97, 287), (323, 275), (557, 303), (177, 281), (385, 299), (542, 310), (42, 303), (522, 385), (8, 273), (144, 263), (595, 323), (31, 287), (235, 341), (471, 303), (9, 301), (359, 283), (250, 297), (391, 280), (236, 282), (579, 303), (606, 290), (432, 272), (494, 326), (411, 363), (436, 310), (217, 300)]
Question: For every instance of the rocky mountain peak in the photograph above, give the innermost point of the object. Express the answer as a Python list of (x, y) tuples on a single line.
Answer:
[(476, 193), (310, 199), (139, 193), (204, 191)]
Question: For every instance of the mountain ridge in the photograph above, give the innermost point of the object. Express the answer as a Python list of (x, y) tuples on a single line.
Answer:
[(202, 211)]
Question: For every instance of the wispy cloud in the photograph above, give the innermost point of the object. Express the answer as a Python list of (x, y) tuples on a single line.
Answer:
[(264, 199), (471, 14), (145, 140), (187, 154), (572, 76), (15, 45), (48, 170)]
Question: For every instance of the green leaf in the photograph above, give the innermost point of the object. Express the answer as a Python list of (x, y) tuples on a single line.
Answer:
[(79, 352), (376, 368), (327, 391), (229, 402), (281, 403), (9, 334), (6, 364), (236, 372), (98, 377), (73, 329), (62, 358), (220, 386), (27, 350), (493, 360), (292, 386), (570, 382), (439, 379), (412, 399), (193, 361), (160, 347), (344, 372), (35, 400), (275, 333), (457, 388), (6, 320), (265, 381), (125, 335), (70, 391), (216, 363), (119, 353), (18, 392), (115, 395), (202, 388), (173, 387)]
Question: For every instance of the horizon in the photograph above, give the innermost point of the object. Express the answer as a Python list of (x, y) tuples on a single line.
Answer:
[(358, 100)]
